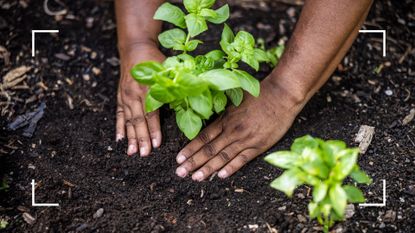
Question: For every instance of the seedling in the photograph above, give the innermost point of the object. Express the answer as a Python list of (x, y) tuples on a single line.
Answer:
[(196, 86), (323, 165)]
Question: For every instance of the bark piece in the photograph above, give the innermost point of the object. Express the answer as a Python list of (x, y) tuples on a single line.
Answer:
[(364, 137)]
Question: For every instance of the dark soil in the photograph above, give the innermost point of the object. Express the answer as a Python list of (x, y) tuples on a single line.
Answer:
[(74, 159)]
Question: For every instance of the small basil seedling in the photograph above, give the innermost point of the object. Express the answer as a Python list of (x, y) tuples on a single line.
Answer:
[(196, 86), (323, 165)]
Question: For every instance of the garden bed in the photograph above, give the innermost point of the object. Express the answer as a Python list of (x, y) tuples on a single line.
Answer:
[(73, 158)]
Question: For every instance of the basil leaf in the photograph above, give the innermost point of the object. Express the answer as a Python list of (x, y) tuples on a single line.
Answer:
[(196, 24), (161, 94), (227, 35), (221, 79), (360, 176), (144, 72), (195, 6), (215, 55), (313, 210), (248, 83), (219, 101), (260, 55), (152, 104), (170, 13), (192, 45), (338, 198), (202, 104), (347, 161), (304, 142), (173, 38), (282, 159), (320, 191), (354, 195), (236, 95), (249, 59), (222, 14), (189, 123), (208, 13), (245, 38), (286, 183), (191, 85)]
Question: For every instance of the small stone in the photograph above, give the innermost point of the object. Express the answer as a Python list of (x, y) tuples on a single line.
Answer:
[(382, 225), (109, 148), (31, 166), (113, 61), (350, 210), (62, 56), (99, 213), (86, 77), (389, 216), (301, 196), (301, 218), (282, 208), (291, 12), (89, 22), (253, 226), (389, 92), (96, 71), (94, 55), (29, 218)]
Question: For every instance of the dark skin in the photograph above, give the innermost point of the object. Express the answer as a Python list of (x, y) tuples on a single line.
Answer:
[(324, 33)]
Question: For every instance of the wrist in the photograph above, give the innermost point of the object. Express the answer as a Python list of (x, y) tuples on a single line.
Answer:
[(288, 88), (127, 46)]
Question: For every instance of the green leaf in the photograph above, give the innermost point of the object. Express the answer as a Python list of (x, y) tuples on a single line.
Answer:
[(338, 198), (219, 101), (152, 104), (354, 195), (161, 94), (170, 13), (171, 62), (215, 55), (208, 13), (144, 72), (191, 85), (331, 150), (320, 191), (303, 142), (260, 55), (282, 159), (221, 79), (236, 95), (286, 183), (222, 14), (196, 24), (195, 6), (227, 35), (189, 123), (315, 167), (248, 83), (313, 210), (173, 38), (245, 38), (202, 104), (249, 58), (347, 161), (360, 176), (192, 45)]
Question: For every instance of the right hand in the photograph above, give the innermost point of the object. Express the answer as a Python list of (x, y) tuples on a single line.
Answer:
[(142, 129)]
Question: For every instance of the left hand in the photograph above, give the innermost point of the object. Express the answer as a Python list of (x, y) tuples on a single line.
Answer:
[(241, 133)]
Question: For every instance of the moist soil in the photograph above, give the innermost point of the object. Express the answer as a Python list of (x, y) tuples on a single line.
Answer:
[(76, 163)]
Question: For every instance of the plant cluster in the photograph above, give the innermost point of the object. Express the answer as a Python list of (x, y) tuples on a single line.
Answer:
[(323, 165), (196, 86)]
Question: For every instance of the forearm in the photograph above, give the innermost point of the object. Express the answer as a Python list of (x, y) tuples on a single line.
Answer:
[(323, 34), (135, 23)]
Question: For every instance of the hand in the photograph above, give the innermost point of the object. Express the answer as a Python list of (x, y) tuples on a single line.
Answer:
[(241, 133), (140, 127)]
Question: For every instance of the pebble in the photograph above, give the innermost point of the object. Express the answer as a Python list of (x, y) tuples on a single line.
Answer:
[(29, 218), (89, 22), (82, 227), (301, 218), (86, 77), (350, 210), (99, 213), (389, 92), (389, 216)]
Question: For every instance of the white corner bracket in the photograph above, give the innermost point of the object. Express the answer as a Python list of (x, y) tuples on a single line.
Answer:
[(383, 204), (383, 38), (33, 198), (39, 31)]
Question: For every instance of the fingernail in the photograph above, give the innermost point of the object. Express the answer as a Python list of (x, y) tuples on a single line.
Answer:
[(223, 174), (180, 158), (155, 143), (198, 176), (118, 137), (143, 151), (131, 149), (180, 171)]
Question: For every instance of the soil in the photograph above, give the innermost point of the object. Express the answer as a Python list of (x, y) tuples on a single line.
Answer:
[(76, 163)]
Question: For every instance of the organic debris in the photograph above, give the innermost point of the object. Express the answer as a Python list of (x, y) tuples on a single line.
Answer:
[(31, 119), (364, 137)]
